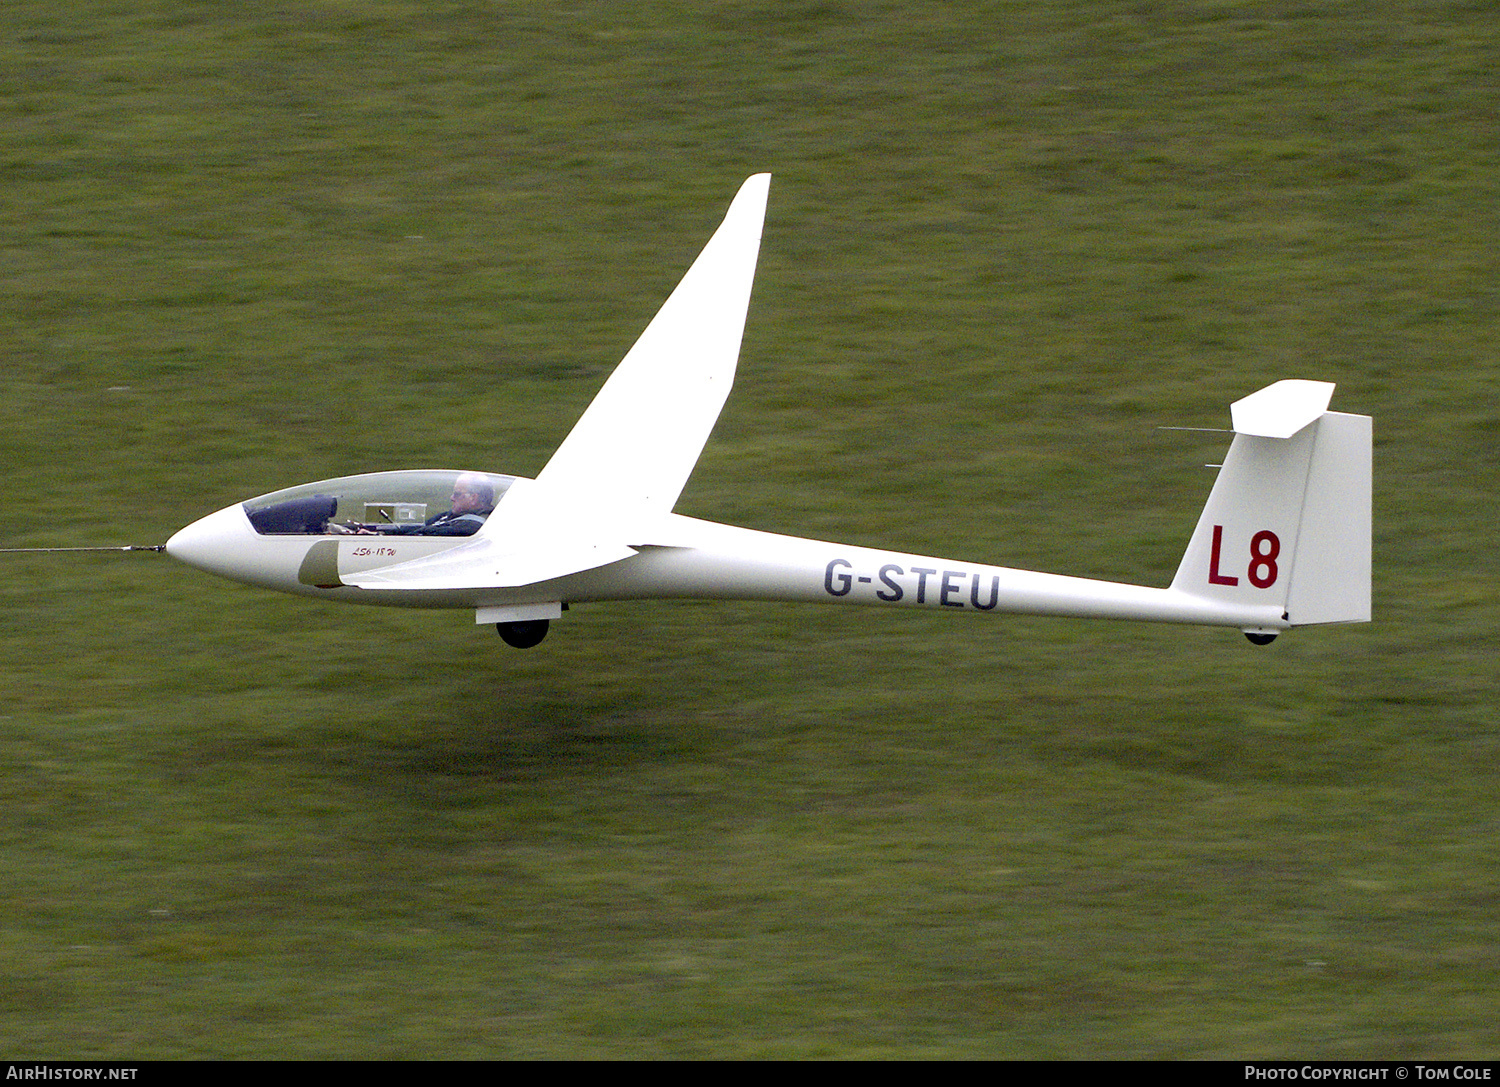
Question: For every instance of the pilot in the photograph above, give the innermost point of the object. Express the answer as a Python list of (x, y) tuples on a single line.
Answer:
[(472, 501)]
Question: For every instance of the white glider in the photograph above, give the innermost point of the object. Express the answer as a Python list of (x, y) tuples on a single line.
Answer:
[(1284, 540)]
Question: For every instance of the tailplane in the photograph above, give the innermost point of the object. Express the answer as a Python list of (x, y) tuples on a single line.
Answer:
[(1288, 521)]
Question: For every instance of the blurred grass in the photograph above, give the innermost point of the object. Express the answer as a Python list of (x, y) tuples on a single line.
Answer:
[(247, 247)]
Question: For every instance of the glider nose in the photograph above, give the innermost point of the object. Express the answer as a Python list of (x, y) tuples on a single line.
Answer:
[(209, 543)]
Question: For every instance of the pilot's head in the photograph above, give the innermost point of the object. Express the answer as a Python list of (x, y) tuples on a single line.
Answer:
[(473, 493)]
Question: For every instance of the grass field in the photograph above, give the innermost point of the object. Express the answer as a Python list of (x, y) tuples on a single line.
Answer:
[(249, 246)]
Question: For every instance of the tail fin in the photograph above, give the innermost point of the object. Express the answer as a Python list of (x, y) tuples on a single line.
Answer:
[(1288, 521)]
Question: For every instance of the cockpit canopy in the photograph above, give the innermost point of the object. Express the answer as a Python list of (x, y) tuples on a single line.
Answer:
[(376, 501)]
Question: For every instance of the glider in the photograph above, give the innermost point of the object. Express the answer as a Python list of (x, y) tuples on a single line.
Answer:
[(1284, 540)]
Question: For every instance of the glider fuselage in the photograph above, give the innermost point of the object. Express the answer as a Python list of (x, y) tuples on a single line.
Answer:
[(688, 558)]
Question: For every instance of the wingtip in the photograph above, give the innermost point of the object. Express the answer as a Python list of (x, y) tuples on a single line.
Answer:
[(755, 188)]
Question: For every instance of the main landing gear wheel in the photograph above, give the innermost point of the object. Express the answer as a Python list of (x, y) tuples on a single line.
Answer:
[(523, 635)]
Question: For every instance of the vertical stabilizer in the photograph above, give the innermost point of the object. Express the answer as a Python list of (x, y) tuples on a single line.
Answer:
[(1288, 521), (1331, 580)]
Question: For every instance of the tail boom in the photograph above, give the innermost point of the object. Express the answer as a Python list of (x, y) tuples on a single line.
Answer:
[(705, 560)]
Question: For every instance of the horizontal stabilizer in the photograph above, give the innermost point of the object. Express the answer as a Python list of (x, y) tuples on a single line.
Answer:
[(1282, 409)]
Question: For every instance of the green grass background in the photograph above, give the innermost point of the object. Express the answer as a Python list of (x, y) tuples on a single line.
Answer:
[(250, 245)]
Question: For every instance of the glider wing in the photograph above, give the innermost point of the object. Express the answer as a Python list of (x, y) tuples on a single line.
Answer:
[(634, 448), (629, 456)]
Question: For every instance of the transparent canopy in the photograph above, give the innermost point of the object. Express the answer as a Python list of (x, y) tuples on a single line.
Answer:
[(415, 503)]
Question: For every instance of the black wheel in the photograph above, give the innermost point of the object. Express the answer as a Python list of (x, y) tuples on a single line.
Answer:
[(523, 635), (1260, 639)]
